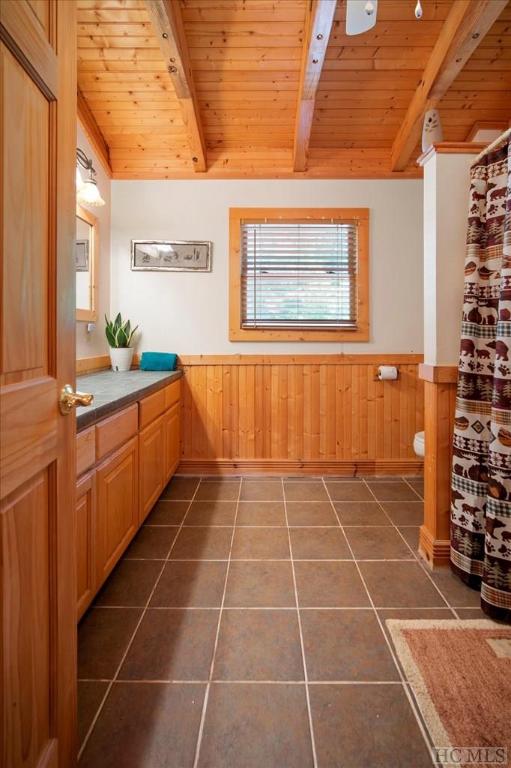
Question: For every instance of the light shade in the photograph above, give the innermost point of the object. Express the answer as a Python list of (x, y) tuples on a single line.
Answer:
[(89, 193)]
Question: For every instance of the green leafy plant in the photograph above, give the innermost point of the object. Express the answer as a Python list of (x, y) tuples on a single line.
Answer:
[(119, 333)]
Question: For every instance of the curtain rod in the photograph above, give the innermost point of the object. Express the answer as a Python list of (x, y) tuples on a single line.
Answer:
[(496, 143)]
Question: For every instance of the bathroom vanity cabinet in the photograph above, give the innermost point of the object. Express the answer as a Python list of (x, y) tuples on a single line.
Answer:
[(124, 461)]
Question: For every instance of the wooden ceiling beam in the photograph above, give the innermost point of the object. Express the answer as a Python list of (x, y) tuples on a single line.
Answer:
[(466, 25), (93, 132), (168, 24), (320, 17)]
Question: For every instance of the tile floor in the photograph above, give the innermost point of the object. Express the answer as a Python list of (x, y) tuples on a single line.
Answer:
[(245, 628)]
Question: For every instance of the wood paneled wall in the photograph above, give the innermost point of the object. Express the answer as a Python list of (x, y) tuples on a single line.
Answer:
[(312, 414)]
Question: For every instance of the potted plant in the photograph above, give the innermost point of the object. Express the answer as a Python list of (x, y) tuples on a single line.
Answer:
[(119, 335)]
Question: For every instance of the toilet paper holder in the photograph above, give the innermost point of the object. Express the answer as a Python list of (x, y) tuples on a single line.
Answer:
[(386, 373)]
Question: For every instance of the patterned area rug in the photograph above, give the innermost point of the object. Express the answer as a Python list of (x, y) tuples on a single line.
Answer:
[(460, 673)]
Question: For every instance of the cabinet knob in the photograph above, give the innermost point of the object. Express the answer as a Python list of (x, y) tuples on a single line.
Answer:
[(70, 399)]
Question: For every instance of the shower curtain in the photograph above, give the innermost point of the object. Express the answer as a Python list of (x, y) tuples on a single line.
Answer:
[(481, 471)]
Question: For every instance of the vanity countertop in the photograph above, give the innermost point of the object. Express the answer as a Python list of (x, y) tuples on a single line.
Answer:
[(113, 391)]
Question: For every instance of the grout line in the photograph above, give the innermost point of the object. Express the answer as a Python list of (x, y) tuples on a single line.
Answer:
[(283, 607), (413, 489), (411, 699), (215, 646), (293, 525), (275, 559), (306, 682), (218, 681), (418, 558), (103, 700), (302, 645)]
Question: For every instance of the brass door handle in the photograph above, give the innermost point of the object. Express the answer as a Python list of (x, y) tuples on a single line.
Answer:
[(70, 399)]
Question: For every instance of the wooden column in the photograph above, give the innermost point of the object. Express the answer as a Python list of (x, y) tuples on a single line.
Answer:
[(446, 189), (439, 405)]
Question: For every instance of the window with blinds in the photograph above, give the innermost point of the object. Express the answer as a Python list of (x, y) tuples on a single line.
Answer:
[(299, 275)]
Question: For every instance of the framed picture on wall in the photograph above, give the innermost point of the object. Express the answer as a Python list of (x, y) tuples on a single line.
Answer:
[(171, 255), (82, 255)]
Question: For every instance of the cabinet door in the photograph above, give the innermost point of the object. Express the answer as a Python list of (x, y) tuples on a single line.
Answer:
[(85, 532), (172, 440), (117, 506), (151, 449)]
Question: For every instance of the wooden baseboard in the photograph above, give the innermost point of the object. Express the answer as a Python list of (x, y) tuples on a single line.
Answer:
[(436, 552), (306, 467)]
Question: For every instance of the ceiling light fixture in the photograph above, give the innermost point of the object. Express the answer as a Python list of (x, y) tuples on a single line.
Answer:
[(369, 8), (87, 191), (418, 10)]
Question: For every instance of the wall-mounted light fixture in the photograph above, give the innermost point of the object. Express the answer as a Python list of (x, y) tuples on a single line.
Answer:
[(87, 191)]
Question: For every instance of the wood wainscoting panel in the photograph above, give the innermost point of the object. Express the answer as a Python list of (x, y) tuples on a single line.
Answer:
[(307, 414), (90, 364)]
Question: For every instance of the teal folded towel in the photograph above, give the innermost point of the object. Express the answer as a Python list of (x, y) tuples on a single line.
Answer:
[(157, 361)]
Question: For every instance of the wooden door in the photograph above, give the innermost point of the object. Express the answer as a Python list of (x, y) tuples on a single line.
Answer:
[(152, 465), (37, 358), (117, 506), (85, 542), (172, 440)]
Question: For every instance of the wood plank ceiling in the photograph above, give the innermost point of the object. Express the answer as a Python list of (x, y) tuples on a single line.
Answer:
[(245, 61)]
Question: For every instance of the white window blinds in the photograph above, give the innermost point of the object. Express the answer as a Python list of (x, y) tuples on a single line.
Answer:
[(299, 275)]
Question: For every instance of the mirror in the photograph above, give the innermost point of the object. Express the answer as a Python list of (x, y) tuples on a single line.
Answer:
[(86, 253)]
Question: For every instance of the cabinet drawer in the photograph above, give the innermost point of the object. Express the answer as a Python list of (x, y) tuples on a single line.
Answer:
[(85, 450), (116, 430), (172, 393), (151, 407)]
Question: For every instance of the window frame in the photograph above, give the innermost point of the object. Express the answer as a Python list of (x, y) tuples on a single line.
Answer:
[(238, 216)]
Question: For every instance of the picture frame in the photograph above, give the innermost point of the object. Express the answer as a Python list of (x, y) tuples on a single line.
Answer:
[(171, 255), (82, 255)]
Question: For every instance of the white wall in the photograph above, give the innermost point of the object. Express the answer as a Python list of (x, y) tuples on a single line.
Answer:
[(188, 313), (446, 194), (89, 344)]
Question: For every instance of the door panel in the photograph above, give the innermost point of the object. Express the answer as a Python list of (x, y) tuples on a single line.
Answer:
[(26, 530), (172, 440), (85, 533), (151, 461), (41, 10), (117, 506), (26, 225), (37, 337)]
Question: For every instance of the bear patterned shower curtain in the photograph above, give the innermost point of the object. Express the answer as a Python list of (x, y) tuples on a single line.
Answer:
[(481, 476)]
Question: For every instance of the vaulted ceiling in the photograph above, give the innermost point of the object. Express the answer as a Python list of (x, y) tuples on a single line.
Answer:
[(275, 88)]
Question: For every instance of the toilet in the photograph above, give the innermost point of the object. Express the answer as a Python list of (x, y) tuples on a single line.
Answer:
[(418, 444)]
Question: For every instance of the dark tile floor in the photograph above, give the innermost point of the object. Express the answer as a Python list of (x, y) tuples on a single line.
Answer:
[(245, 627)]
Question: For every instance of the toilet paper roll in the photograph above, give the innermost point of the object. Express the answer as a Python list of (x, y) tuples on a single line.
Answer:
[(387, 372)]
